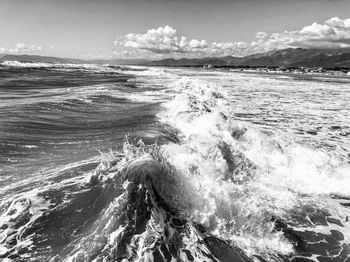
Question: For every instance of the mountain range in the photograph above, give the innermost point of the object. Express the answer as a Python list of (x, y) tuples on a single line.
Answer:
[(286, 58)]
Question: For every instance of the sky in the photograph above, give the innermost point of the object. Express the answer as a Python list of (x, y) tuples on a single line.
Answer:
[(170, 28)]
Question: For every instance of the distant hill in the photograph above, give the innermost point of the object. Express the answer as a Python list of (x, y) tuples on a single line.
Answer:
[(52, 59), (286, 58), (38, 58)]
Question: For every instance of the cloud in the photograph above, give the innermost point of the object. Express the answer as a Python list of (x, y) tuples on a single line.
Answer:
[(19, 48), (261, 35), (165, 41), (333, 33)]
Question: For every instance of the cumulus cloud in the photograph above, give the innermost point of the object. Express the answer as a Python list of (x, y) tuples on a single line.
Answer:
[(19, 48), (261, 35), (165, 41), (333, 33)]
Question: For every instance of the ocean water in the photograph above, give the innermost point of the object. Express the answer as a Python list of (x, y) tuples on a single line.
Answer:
[(110, 163)]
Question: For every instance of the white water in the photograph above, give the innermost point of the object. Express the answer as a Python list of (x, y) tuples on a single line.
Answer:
[(260, 124), (293, 171)]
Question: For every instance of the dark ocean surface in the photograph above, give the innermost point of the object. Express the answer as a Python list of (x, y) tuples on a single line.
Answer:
[(109, 163)]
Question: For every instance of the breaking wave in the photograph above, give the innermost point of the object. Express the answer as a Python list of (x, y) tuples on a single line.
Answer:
[(218, 190)]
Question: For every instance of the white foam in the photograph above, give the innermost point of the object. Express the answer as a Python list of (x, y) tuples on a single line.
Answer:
[(288, 175), (236, 206)]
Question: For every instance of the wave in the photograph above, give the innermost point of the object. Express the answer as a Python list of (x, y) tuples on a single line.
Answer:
[(43, 65), (220, 190), (94, 68), (129, 208), (252, 178)]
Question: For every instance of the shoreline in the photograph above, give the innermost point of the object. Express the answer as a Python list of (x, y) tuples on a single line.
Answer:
[(305, 76)]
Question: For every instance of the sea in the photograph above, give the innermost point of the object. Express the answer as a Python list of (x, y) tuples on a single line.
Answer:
[(128, 163)]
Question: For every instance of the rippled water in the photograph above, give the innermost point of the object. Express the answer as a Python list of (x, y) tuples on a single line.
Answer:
[(217, 166), (52, 118)]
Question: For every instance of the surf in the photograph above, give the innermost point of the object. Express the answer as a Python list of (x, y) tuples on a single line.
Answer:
[(205, 187)]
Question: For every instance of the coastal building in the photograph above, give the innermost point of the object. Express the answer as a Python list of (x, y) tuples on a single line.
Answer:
[(208, 66), (298, 71)]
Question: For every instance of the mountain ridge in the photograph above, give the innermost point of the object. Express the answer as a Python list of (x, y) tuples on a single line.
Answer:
[(284, 58)]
